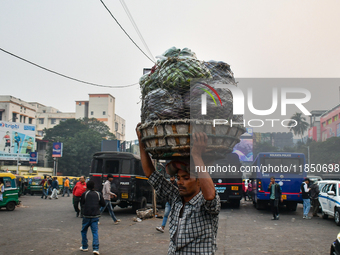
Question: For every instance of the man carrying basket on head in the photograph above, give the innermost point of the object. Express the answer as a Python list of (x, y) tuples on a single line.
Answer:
[(195, 205)]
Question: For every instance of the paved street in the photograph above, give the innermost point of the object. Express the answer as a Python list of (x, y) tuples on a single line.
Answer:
[(42, 226)]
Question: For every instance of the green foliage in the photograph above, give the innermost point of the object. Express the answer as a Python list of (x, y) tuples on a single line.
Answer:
[(301, 124), (81, 139)]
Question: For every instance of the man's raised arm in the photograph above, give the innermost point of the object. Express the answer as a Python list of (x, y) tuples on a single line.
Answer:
[(147, 165)]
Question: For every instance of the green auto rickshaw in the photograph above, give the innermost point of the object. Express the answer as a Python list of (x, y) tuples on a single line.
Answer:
[(9, 197)]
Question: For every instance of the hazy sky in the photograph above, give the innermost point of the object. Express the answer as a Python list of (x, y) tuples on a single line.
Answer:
[(265, 38)]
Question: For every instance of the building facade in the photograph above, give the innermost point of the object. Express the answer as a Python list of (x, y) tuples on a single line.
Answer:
[(102, 108), (48, 117), (330, 123), (13, 109)]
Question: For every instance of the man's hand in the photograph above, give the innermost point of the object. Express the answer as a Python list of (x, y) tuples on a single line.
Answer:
[(270, 185), (199, 146), (281, 200), (139, 134)]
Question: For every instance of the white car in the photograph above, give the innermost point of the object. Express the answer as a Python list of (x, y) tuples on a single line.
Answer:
[(329, 199)]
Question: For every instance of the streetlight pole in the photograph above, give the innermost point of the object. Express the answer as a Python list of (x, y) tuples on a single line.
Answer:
[(308, 155)]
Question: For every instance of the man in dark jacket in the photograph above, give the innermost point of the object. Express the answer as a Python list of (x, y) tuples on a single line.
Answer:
[(275, 196), (314, 196), (91, 201)]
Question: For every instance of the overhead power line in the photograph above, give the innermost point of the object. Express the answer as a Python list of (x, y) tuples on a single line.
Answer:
[(126, 32), (136, 28), (68, 77)]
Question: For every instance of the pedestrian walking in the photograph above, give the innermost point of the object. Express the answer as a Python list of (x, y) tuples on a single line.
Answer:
[(314, 196), (275, 196), (55, 188), (43, 187), (91, 201), (49, 181), (250, 190), (305, 197), (78, 190), (107, 194), (244, 190), (66, 187), (167, 208), (195, 204)]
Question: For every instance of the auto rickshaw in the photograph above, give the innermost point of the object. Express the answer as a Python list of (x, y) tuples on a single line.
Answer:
[(10, 196), (34, 184)]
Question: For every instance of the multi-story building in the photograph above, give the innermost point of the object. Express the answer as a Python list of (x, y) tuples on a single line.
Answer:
[(102, 108), (330, 123), (48, 117), (13, 109)]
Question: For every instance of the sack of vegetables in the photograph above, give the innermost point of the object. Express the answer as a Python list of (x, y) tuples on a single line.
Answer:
[(172, 105)]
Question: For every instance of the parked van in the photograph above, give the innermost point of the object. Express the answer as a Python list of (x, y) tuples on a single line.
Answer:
[(329, 199), (129, 182)]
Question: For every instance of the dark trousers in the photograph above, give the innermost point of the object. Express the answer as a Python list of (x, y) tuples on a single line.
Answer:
[(76, 202), (274, 204), (315, 203)]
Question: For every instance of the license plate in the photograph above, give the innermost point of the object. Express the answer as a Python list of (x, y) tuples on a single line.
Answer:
[(284, 196), (234, 187), (125, 195)]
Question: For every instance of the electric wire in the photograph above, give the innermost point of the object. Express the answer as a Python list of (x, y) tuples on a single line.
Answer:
[(125, 31), (68, 77), (136, 27)]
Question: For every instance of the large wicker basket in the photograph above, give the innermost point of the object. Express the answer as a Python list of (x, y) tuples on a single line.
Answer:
[(168, 139)]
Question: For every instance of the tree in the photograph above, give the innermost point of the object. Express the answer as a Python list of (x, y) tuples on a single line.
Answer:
[(299, 126), (81, 139)]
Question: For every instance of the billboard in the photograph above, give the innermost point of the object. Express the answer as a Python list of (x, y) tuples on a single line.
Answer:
[(57, 150), (330, 123), (244, 149), (16, 140), (33, 158)]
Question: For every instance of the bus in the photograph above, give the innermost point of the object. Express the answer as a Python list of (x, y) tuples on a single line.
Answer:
[(288, 170), (228, 183), (129, 181)]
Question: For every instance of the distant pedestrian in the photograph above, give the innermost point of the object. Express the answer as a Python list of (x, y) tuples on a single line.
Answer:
[(43, 189), (250, 190), (55, 188), (91, 201), (244, 190), (167, 207), (314, 196), (49, 181), (275, 196), (78, 190), (305, 197), (107, 194), (66, 187)]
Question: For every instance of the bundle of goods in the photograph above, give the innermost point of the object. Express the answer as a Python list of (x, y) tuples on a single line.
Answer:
[(172, 105)]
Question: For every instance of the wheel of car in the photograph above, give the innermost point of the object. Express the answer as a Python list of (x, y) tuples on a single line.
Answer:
[(337, 217), (324, 216), (10, 206)]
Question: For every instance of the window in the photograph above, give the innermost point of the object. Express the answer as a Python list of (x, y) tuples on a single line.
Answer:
[(79, 103), (41, 133), (126, 166), (41, 121), (20, 118), (91, 112), (44, 111), (111, 166), (24, 119), (14, 117), (323, 124), (335, 118), (329, 121), (104, 112), (0, 115), (30, 120), (62, 120), (53, 121), (116, 126)]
